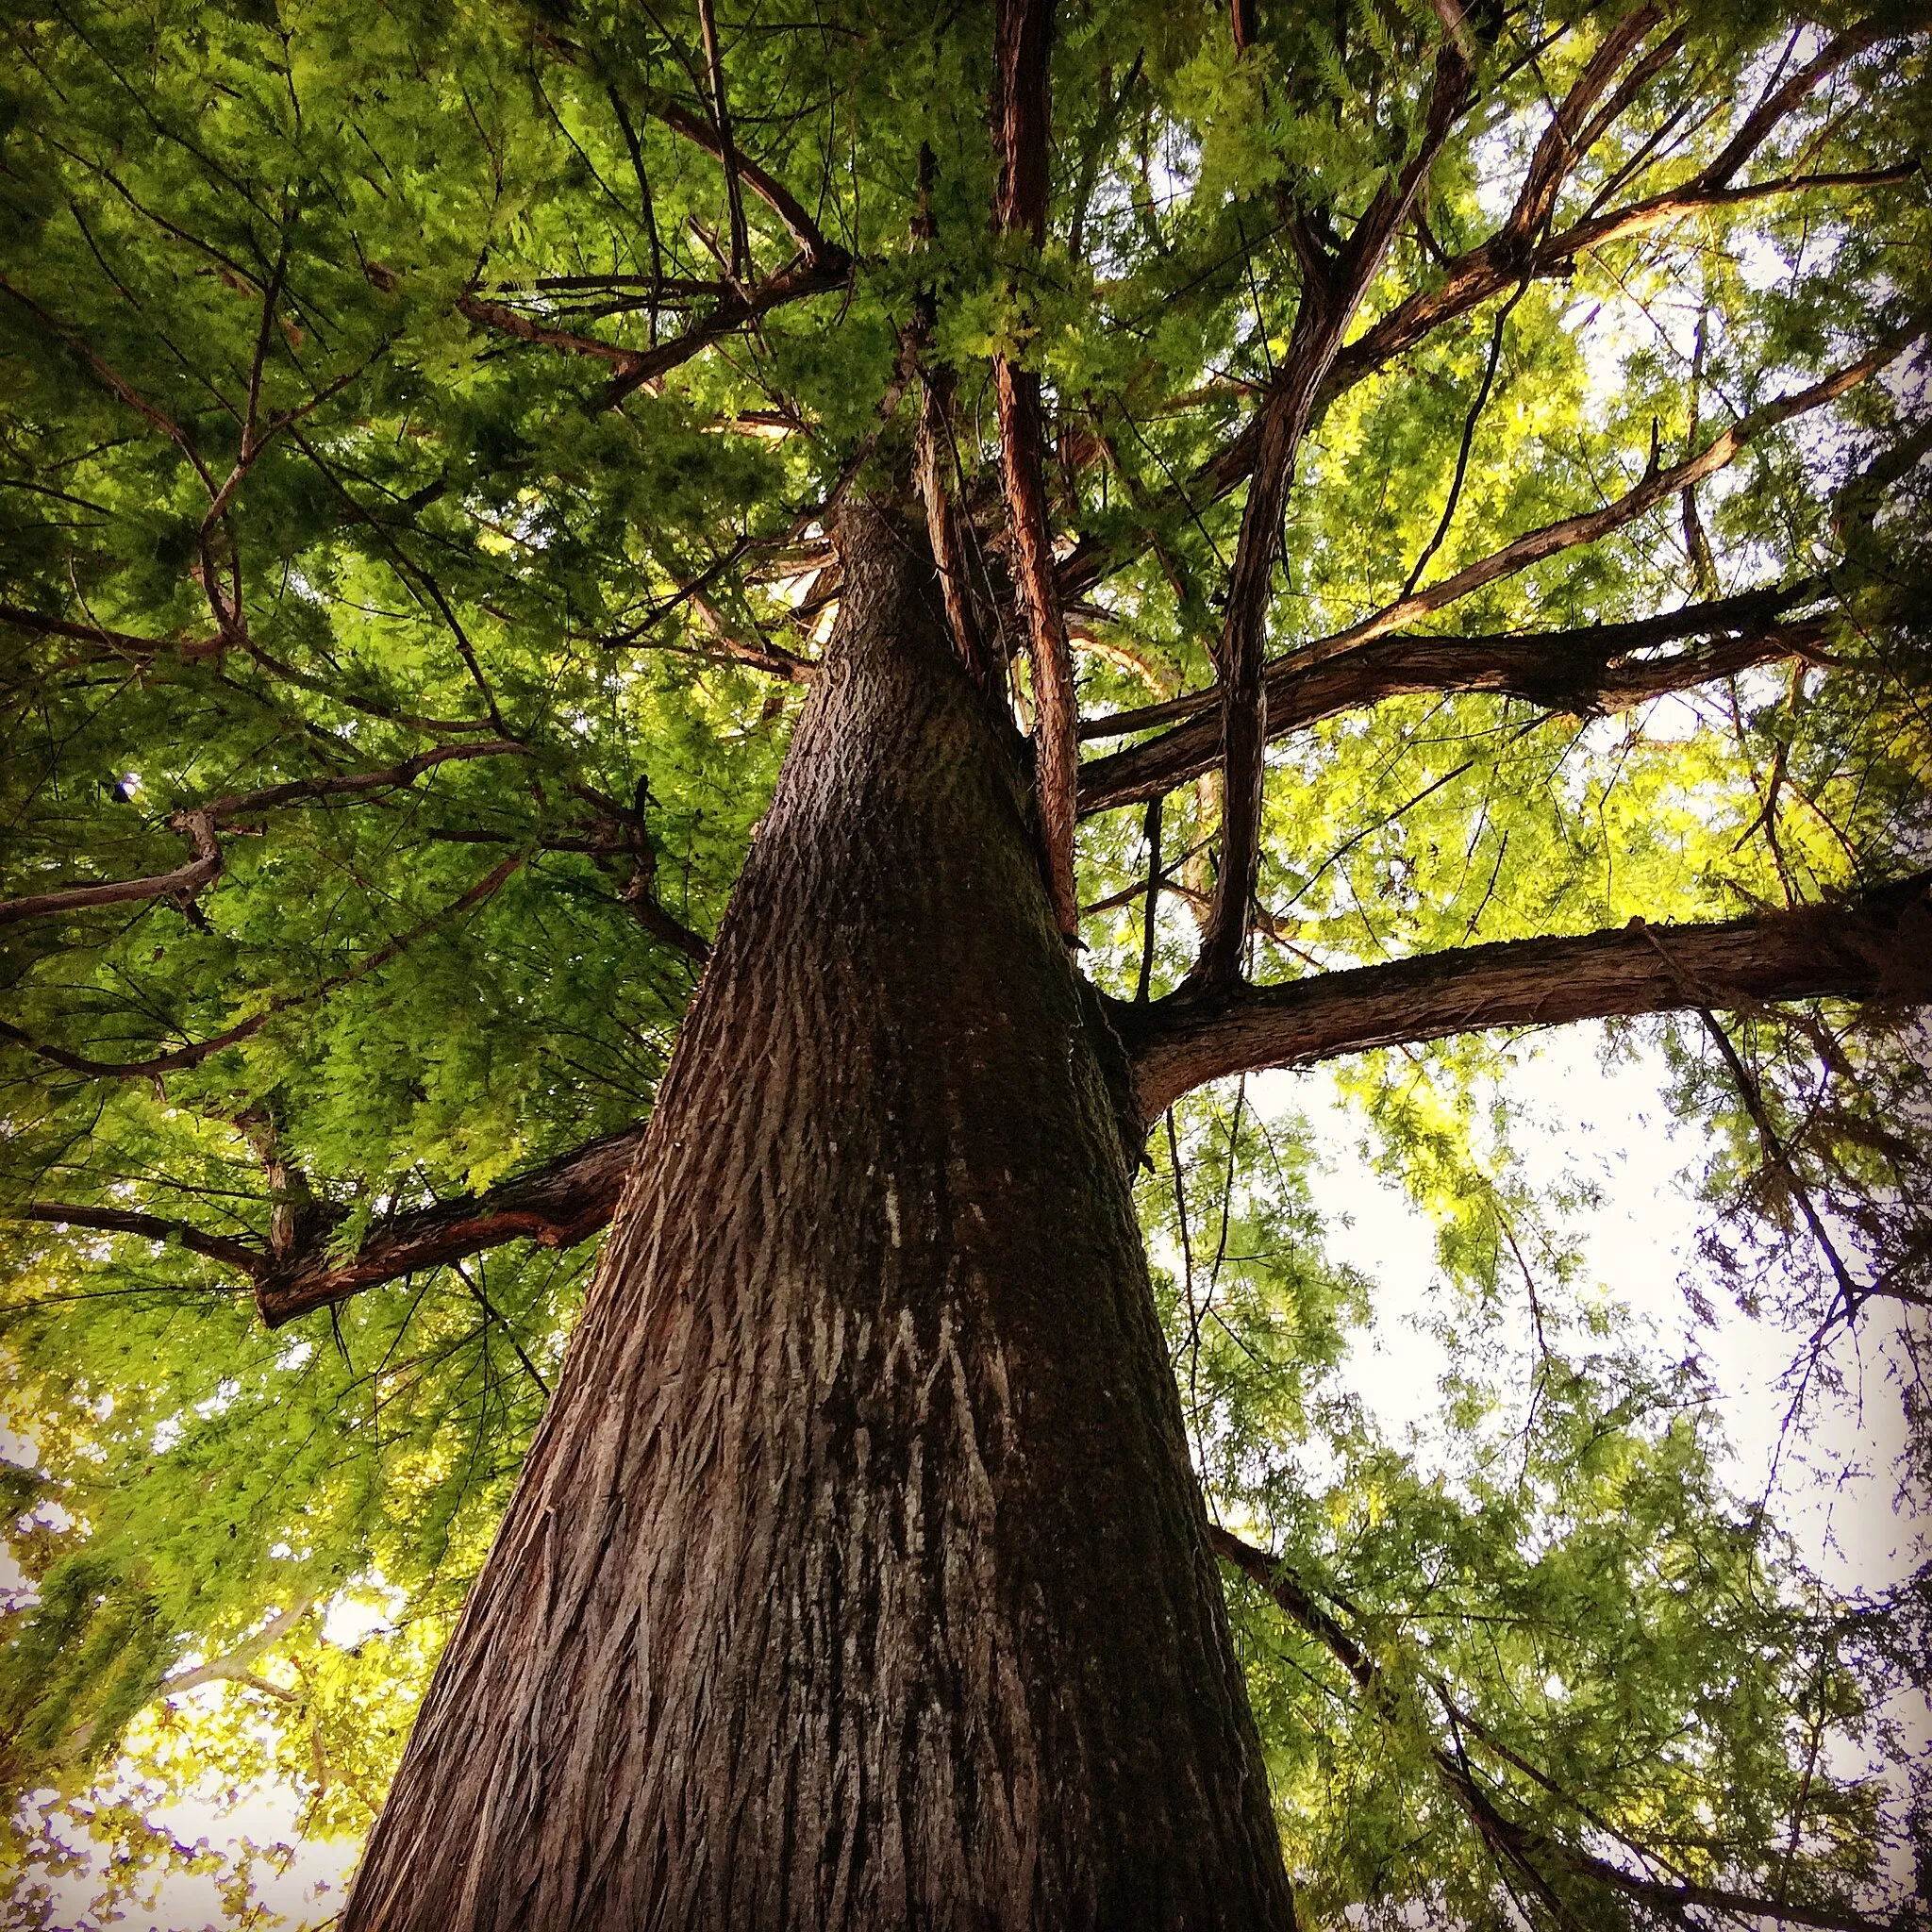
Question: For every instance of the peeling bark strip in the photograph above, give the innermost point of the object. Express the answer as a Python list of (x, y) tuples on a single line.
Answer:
[(1878, 946), (1022, 127), (856, 1577)]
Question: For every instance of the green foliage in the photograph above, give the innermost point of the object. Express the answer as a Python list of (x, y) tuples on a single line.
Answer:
[(309, 315)]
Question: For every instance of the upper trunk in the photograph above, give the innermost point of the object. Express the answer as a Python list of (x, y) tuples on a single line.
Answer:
[(857, 1576)]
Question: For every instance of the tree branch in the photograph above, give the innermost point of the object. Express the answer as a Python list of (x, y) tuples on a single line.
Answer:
[(200, 824), (185, 879), (1875, 946), (1332, 291), (1512, 256), (774, 193), (197, 1051), (1594, 670), (727, 153), (556, 1205), (1525, 1848), (1022, 33), (807, 274), (239, 1255)]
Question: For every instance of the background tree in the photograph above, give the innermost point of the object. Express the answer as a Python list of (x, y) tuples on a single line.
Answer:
[(446, 457)]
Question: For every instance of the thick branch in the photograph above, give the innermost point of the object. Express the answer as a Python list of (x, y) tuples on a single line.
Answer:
[(557, 1205), (1656, 486), (1591, 671), (124, 643), (1563, 140), (187, 878), (1876, 947), (1333, 288)]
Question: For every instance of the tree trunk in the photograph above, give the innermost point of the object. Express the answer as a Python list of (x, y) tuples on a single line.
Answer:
[(856, 1577)]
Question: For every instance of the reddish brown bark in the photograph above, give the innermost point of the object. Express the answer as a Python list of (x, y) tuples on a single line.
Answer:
[(1022, 113), (1333, 286), (556, 1206), (857, 1576), (1877, 946), (1858, 949)]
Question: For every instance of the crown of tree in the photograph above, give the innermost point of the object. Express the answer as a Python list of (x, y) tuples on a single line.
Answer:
[(816, 636)]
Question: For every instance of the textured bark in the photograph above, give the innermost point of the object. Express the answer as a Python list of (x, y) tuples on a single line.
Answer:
[(1022, 124), (857, 1576)]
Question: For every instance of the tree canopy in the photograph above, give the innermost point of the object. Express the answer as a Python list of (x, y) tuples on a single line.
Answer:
[(1443, 489)]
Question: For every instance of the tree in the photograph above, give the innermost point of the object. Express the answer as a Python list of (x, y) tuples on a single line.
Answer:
[(561, 564)]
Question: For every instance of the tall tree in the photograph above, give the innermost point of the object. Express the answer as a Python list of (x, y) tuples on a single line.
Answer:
[(561, 561)]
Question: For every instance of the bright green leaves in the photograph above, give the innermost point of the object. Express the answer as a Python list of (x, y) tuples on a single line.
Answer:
[(310, 467)]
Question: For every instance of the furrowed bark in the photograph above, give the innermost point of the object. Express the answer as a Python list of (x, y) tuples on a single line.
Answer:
[(857, 1576), (1591, 671), (1876, 947), (1023, 37), (1856, 949)]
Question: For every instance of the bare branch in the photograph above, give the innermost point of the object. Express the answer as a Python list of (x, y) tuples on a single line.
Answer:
[(1875, 946), (1332, 291), (184, 879), (239, 1255), (1592, 671), (195, 1052), (556, 1205)]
